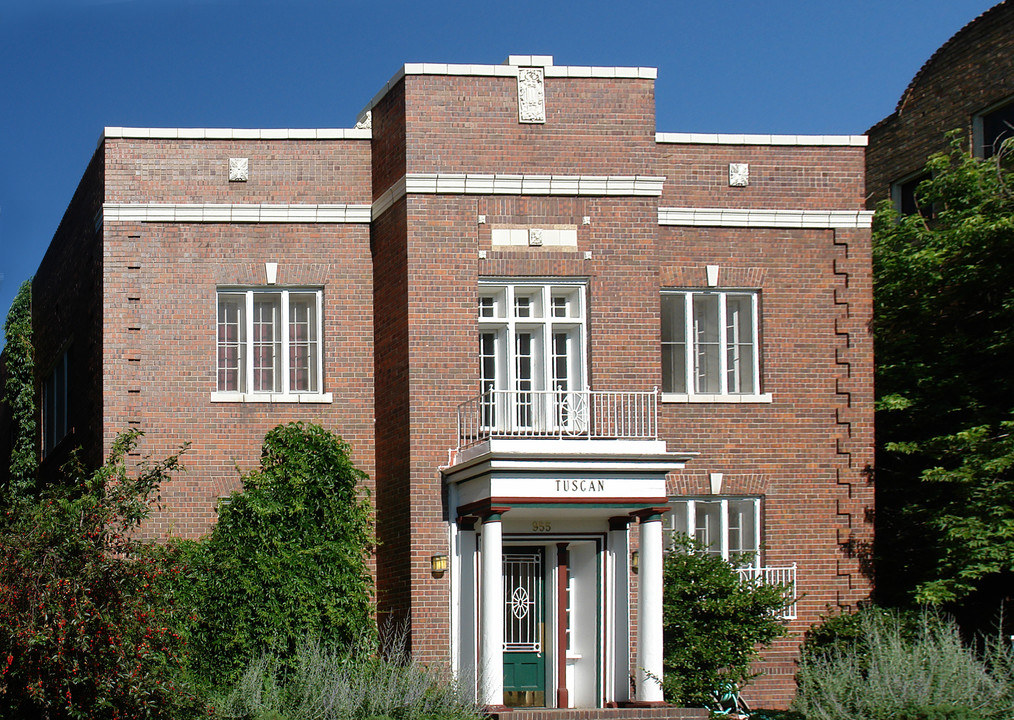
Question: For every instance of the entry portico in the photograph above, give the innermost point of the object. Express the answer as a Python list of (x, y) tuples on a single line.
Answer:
[(541, 564)]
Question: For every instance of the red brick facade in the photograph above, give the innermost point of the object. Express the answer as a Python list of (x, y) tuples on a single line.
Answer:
[(136, 303), (970, 74)]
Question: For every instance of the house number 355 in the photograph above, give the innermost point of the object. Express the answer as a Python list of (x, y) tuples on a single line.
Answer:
[(541, 526)]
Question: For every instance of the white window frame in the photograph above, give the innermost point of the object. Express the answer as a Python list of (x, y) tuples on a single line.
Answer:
[(682, 518), (725, 393), (978, 128), (538, 312), (55, 405), (285, 393)]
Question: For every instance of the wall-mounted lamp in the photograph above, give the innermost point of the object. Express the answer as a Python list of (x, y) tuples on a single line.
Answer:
[(438, 564), (635, 558)]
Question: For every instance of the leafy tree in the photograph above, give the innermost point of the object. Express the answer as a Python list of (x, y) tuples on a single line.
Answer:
[(713, 622), (18, 394), (287, 559), (83, 631), (944, 332)]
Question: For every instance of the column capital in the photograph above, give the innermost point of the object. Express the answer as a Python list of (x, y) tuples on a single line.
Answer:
[(492, 513), (649, 514)]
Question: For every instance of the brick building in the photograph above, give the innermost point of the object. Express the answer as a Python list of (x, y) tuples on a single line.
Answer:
[(548, 332), (967, 85)]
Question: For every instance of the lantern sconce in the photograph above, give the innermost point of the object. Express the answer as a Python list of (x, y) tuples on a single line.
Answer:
[(438, 565), (635, 557)]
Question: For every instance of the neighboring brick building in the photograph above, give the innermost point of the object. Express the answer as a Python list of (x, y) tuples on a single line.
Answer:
[(519, 231), (967, 85)]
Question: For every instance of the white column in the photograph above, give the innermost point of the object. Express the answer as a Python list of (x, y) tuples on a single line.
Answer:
[(466, 594), (491, 604), (618, 670), (649, 609)]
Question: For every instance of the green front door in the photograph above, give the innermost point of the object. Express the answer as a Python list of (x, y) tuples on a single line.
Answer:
[(524, 656)]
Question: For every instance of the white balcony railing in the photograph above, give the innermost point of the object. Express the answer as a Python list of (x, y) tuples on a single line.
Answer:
[(584, 414), (775, 575)]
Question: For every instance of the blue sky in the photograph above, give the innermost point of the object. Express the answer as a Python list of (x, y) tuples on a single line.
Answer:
[(68, 68)]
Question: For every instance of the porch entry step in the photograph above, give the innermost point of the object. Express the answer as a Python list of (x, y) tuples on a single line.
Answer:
[(655, 713)]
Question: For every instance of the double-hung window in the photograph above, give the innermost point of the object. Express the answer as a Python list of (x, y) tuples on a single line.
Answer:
[(531, 357), (728, 527), (269, 343), (709, 343)]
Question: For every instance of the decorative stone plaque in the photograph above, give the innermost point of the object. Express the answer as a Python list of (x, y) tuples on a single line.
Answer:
[(535, 237), (739, 174), (531, 95), (239, 169)]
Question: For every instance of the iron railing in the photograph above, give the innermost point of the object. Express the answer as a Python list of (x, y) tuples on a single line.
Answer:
[(775, 575), (535, 414)]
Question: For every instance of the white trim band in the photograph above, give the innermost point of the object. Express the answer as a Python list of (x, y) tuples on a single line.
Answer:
[(238, 133), (730, 398), (747, 217), (225, 213), (503, 184), (304, 398), (739, 139)]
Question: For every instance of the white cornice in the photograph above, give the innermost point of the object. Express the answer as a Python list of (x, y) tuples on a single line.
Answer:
[(748, 217), (740, 139), (510, 70), (238, 133), (225, 213), (506, 184)]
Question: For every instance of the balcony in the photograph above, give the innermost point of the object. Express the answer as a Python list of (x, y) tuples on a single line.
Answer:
[(775, 575), (558, 414)]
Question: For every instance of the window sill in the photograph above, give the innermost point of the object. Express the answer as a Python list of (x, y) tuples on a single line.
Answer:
[(302, 398), (683, 398)]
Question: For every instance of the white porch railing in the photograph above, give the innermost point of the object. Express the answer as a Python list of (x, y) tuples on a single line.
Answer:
[(775, 575), (584, 414)]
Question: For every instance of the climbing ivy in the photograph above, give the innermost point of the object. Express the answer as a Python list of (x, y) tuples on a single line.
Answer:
[(19, 395)]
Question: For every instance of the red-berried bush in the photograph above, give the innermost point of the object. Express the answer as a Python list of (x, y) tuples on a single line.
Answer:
[(86, 623)]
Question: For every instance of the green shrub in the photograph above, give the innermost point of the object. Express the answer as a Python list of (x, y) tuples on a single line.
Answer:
[(896, 669), (713, 622), (330, 684), (287, 558), (17, 481), (83, 631)]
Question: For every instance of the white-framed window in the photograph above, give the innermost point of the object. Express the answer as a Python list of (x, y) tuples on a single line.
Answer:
[(269, 344), (991, 127), (55, 410), (532, 354), (710, 343), (727, 526)]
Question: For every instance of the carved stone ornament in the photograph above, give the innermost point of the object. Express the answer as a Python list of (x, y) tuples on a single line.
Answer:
[(239, 169), (739, 174), (366, 123), (535, 237), (531, 95)]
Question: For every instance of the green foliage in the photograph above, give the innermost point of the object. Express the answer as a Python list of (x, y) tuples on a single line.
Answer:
[(18, 394), (287, 558), (337, 685), (83, 633), (897, 668), (713, 622), (944, 332)]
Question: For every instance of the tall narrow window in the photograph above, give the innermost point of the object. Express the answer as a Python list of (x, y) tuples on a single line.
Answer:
[(709, 343), (55, 423), (269, 341), (531, 350)]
